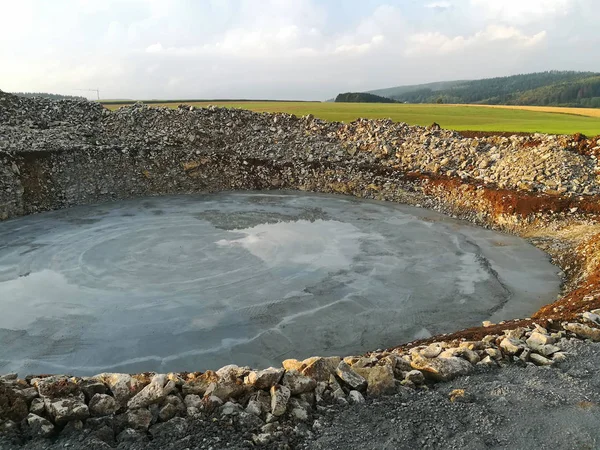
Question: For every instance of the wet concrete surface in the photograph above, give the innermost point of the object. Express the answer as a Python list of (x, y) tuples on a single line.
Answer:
[(197, 282)]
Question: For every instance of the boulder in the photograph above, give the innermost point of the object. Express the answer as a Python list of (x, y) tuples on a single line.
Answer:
[(512, 346), (591, 317), (173, 430), (537, 339), (442, 369), (139, 419), (461, 352), (39, 427), (63, 410), (540, 360), (279, 399), (57, 387), (320, 368), (231, 409), (350, 378), (199, 384), (37, 406), (130, 436), (380, 380), (28, 394), (173, 406), (583, 331), (266, 378), (154, 392), (432, 350), (12, 406), (232, 371), (193, 401), (293, 364), (298, 383), (226, 389), (211, 402), (121, 385), (298, 413), (415, 376), (91, 387), (167, 412), (356, 398), (102, 405), (398, 363), (254, 407)]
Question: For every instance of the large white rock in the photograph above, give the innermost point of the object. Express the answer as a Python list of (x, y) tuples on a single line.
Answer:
[(63, 410), (266, 378), (156, 391), (122, 386), (442, 369)]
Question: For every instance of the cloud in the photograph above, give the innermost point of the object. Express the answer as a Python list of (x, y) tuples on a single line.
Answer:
[(294, 49), (438, 43), (442, 5), (360, 48), (522, 11)]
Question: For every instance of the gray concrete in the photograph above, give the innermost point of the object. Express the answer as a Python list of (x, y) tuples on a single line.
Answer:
[(197, 282)]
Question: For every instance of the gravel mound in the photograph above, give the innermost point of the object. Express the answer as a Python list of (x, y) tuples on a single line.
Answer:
[(536, 163)]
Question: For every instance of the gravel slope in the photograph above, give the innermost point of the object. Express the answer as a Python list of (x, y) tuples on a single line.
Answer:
[(512, 408)]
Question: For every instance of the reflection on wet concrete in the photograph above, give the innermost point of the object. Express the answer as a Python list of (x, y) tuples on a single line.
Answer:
[(197, 282)]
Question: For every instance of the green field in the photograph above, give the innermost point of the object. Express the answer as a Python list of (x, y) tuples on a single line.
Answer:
[(457, 117)]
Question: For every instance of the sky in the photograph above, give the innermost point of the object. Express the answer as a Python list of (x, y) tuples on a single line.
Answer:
[(283, 49)]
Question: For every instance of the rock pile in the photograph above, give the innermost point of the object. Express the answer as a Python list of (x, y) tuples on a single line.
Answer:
[(537, 163), (267, 403)]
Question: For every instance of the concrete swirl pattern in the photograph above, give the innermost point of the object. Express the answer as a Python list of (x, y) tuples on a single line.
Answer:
[(197, 282)]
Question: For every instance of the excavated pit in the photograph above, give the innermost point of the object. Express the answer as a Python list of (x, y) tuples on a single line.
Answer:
[(190, 283), (66, 156)]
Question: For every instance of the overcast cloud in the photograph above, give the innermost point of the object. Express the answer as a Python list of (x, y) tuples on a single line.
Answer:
[(284, 49)]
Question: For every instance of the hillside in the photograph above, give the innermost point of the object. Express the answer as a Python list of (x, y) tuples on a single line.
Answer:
[(397, 91), (362, 97), (553, 88)]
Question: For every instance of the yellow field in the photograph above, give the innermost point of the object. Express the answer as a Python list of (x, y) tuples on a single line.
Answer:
[(588, 112), (529, 119)]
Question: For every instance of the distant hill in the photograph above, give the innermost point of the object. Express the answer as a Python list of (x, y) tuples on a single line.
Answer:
[(50, 96), (553, 88), (398, 91), (362, 97)]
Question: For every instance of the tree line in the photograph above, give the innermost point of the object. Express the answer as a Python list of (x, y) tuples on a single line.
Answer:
[(554, 88), (48, 95)]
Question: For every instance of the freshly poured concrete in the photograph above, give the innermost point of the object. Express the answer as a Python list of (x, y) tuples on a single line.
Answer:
[(197, 282)]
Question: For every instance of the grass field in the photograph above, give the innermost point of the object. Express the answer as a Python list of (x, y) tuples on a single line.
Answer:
[(457, 117)]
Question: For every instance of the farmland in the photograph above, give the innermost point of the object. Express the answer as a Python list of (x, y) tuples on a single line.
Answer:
[(553, 120)]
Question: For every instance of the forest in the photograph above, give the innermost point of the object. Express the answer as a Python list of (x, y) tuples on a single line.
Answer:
[(50, 96), (552, 88), (362, 97)]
